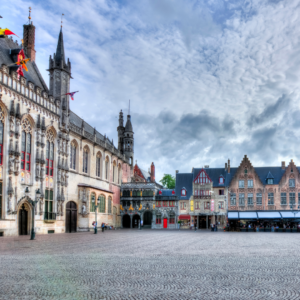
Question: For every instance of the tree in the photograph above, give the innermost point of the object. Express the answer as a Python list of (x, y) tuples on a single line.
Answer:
[(168, 181)]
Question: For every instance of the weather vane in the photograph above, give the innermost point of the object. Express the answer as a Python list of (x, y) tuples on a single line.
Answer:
[(62, 20)]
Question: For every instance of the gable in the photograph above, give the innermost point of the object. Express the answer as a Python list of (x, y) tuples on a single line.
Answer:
[(202, 178), (138, 172)]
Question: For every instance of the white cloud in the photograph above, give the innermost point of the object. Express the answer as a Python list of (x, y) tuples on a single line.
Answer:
[(196, 73)]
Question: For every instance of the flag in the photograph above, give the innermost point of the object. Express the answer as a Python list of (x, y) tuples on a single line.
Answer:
[(72, 94), (21, 55), (6, 31), (20, 72)]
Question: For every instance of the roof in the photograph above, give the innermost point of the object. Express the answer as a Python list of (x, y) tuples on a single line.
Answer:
[(128, 126), (60, 51), (7, 58), (146, 174), (184, 180), (275, 172), (94, 187), (214, 174), (230, 175), (166, 192)]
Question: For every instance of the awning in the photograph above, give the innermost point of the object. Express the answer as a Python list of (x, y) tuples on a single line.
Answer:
[(287, 215), (248, 215), (184, 217), (269, 215), (297, 216), (233, 215)]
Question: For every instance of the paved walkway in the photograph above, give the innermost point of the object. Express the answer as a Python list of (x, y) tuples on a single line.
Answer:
[(132, 264)]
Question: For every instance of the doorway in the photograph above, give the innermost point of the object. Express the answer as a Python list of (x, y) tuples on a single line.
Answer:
[(126, 221), (165, 223), (71, 217), (23, 221), (135, 221), (147, 219)]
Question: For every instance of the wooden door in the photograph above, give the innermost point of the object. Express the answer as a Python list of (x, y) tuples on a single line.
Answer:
[(71, 217), (23, 221), (165, 223)]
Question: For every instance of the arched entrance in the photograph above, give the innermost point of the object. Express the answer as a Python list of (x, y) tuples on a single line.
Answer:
[(147, 219), (126, 221), (23, 220), (71, 217), (135, 221)]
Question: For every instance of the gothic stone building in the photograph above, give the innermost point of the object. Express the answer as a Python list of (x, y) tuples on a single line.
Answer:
[(146, 200), (46, 147)]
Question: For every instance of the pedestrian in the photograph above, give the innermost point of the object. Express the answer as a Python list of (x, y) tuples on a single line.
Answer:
[(102, 227)]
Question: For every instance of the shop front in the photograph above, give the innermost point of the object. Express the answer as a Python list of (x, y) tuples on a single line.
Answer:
[(264, 221), (185, 221)]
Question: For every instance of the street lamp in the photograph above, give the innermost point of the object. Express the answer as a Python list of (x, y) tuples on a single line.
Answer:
[(33, 202), (96, 207), (295, 211)]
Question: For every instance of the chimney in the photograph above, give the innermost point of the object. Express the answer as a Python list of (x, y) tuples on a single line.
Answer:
[(283, 165), (225, 166), (152, 174), (29, 40), (228, 166)]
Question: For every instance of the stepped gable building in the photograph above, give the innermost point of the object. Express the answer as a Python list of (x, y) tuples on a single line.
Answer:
[(46, 147), (202, 197), (144, 199)]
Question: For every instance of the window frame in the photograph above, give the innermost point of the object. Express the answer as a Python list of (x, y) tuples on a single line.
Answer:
[(26, 160), (241, 186), (292, 180), (283, 196), (172, 219), (158, 219), (270, 198), (241, 199), (206, 205), (250, 199), (93, 203), (233, 199), (292, 196), (183, 192), (251, 183)]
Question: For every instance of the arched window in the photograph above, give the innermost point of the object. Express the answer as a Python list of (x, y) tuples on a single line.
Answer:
[(106, 168), (73, 156), (114, 171), (49, 158), (119, 174), (26, 145), (85, 160), (1, 142), (109, 205), (101, 198), (98, 165), (92, 204)]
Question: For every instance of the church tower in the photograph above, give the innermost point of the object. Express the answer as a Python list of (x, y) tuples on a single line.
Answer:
[(60, 74), (121, 130), (129, 141)]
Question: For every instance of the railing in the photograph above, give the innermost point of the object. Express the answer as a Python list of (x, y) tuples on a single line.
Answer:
[(202, 197), (49, 216)]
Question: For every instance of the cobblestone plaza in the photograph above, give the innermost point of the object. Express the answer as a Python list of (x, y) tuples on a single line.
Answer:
[(147, 264)]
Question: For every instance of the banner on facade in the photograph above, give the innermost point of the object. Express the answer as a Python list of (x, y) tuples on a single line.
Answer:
[(212, 205), (192, 205)]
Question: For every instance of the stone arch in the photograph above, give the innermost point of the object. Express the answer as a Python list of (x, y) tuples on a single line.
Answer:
[(74, 154), (51, 133), (27, 202), (99, 164), (3, 111), (30, 120), (107, 167), (86, 159)]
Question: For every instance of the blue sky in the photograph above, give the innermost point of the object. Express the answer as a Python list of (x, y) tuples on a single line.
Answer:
[(208, 80)]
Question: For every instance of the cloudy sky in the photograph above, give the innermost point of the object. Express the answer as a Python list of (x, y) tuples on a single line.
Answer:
[(208, 80)]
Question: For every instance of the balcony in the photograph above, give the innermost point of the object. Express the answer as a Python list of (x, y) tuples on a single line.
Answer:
[(49, 217), (202, 197)]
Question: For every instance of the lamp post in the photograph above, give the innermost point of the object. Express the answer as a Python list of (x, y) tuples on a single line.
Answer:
[(33, 202), (294, 212), (96, 207)]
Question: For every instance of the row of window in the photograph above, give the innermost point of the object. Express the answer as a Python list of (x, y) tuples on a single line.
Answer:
[(165, 203), (85, 164), (137, 193), (197, 205), (269, 181), (171, 219), (206, 192), (101, 204)]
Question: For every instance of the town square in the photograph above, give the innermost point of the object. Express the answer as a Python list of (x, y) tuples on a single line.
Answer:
[(149, 149)]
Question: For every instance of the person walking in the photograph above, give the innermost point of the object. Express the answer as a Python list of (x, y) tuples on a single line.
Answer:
[(102, 227)]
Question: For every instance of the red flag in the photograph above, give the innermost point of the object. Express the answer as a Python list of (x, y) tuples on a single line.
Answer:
[(71, 94), (20, 72)]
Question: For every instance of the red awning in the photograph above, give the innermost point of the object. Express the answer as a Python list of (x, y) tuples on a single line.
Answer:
[(184, 217)]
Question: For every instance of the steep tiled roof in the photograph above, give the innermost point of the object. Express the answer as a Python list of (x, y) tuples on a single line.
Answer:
[(214, 174), (263, 172), (33, 74), (166, 192), (184, 180)]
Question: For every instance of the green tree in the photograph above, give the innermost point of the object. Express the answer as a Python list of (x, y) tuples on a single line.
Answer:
[(168, 181)]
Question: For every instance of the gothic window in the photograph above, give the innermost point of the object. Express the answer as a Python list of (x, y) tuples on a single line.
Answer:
[(109, 205), (48, 204), (92, 203), (1, 142), (49, 158), (85, 160), (73, 156), (101, 199), (119, 174), (114, 171), (106, 168), (98, 165), (26, 151)]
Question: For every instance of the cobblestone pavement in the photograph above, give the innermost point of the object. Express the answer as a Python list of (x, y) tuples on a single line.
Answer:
[(148, 264)]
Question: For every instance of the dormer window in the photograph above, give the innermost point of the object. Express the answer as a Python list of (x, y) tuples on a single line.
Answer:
[(270, 181), (221, 180), (183, 192)]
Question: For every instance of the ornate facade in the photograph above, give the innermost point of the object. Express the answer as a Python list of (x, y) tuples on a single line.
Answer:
[(47, 148)]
